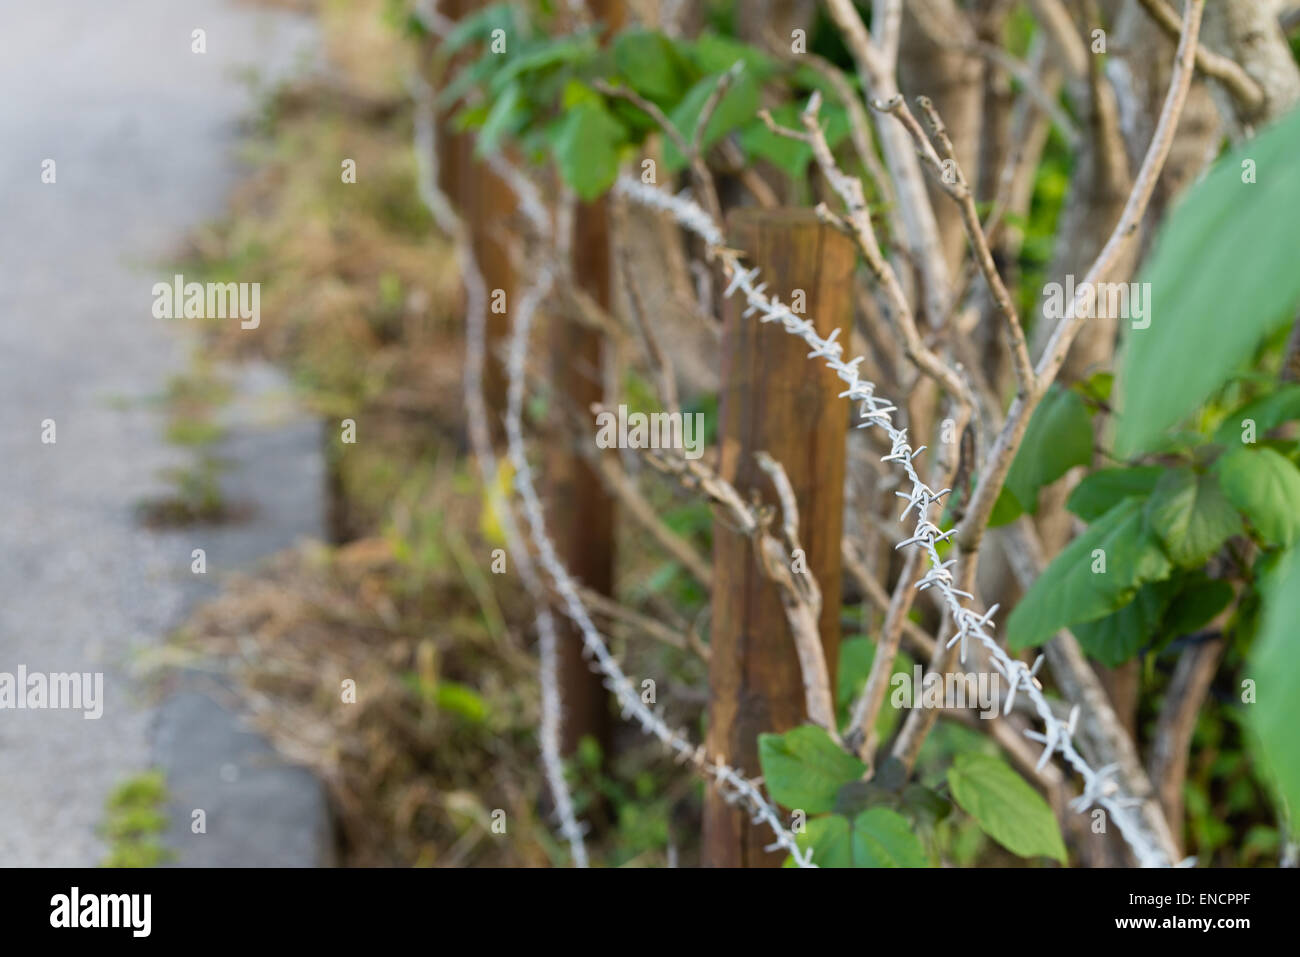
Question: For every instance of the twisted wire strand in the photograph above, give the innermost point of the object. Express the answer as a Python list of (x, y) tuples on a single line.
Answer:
[(1099, 785)]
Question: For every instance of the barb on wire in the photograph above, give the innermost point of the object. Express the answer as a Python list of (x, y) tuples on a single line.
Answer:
[(1057, 735)]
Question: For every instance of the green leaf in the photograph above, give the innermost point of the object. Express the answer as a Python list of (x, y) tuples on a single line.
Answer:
[(507, 115), (1266, 487), (856, 796), (830, 839), (479, 26), (462, 700), (1116, 638), (1006, 509), (1198, 601), (1096, 387), (1102, 490), (545, 54), (883, 838), (651, 65), (717, 54), (1191, 516), (1274, 665), (805, 769), (877, 837), (1071, 591), (1058, 437), (586, 149), (1222, 272), (1009, 810), (856, 655), (924, 804), (1266, 412), (737, 106)]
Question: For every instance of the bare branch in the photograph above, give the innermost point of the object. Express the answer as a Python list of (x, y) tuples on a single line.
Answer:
[(876, 70), (953, 181), (1029, 82), (857, 224), (1058, 25), (1239, 84)]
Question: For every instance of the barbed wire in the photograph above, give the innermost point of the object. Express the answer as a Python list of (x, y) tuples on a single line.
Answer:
[(1099, 786), (476, 302), (734, 787)]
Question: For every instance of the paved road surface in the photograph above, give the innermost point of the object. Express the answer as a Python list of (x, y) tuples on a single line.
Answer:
[(144, 133)]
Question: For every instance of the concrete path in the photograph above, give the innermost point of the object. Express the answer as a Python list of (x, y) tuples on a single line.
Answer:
[(143, 132)]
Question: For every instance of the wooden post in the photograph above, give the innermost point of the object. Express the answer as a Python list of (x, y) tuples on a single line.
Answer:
[(774, 399), (486, 206), (581, 512)]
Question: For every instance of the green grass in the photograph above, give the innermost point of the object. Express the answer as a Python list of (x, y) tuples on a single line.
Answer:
[(134, 822)]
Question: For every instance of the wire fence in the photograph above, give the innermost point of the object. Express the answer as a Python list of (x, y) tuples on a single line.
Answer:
[(1099, 785)]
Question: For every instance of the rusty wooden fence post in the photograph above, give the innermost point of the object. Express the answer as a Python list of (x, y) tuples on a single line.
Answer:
[(774, 399)]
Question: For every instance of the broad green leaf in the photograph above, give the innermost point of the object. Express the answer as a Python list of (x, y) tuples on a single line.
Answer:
[(586, 149), (737, 106), (1266, 487), (1274, 666), (877, 837), (1266, 412), (884, 838), (1058, 437), (1116, 638), (651, 65), (804, 768), (1095, 574), (716, 54), (1199, 599), (1222, 272), (831, 840), (1008, 809), (1006, 509), (1102, 490), (1191, 516)]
